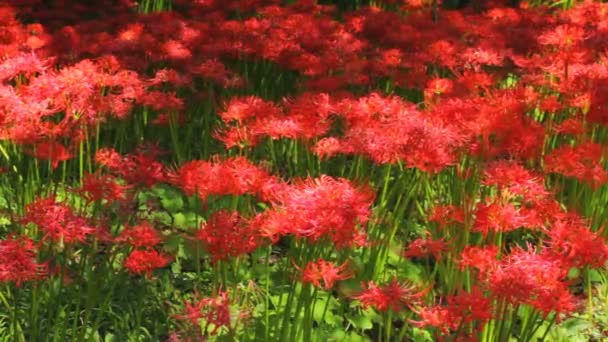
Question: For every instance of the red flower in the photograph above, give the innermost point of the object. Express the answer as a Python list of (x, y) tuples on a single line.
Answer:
[(562, 36), (212, 310), (498, 217), (574, 244), (481, 258), (446, 215), (18, 261), (392, 296), (425, 247), (517, 180), (525, 277), (461, 309), (318, 208), (57, 221), (52, 151), (233, 176), (139, 168), (328, 272), (583, 162), (102, 188), (145, 261), (227, 235), (142, 235)]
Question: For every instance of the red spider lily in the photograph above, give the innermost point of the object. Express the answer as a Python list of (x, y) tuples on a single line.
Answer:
[(446, 215), (393, 296), (26, 64), (574, 244), (498, 217), (525, 277), (389, 130), (249, 119), (440, 317), (52, 151), (212, 310), (19, 264), (139, 168), (141, 235), (424, 247), (144, 261), (562, 36), (102, 188), (514, 178), (232, 176), (570, 126), (227, 235), (326, 271), (57, 221), (318, 208), (481, 258), (583, 162), (461, 309)]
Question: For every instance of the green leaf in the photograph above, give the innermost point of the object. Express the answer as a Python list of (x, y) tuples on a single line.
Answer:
[(361, 322), (421, 335), (179, 220), (338, 335), (327, 316), (354, 337)]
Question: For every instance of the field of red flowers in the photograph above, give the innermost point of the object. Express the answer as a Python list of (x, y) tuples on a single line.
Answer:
[(271, 170)]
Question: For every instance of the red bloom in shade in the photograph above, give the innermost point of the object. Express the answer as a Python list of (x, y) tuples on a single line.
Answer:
[(438, 86), (583, 162), (233, 176), (481, 258), (498, 217), (461, 309), (326, 271), (437, 316), (108, 157), (525, 277), (389, 130), (50, 150), (514, 178), (139, 168), (562, 36), (575, 245), (57, 221), (425, 247), (249, 119), (212, 310), (144, 261), (446, 215), (470, 307), (18, 261), (318, 208), (227, 235), (570, 126), (142, 235), (102, 188), (391, 296), (327, 147)]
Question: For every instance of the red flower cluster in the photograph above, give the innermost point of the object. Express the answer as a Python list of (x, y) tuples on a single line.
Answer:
[(233, 176), (211, 310), (144, 261), (228, 235), (318, 208), (57, 221), (326, 271), (19, 261), (392, 296), (139, 168)]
